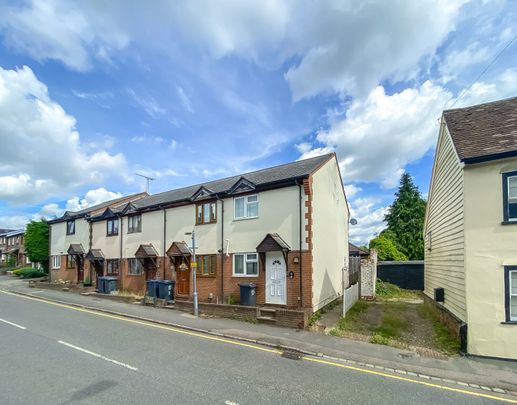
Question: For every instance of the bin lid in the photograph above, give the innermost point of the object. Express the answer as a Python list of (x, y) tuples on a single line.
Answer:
[(108, 278), (249, 285)]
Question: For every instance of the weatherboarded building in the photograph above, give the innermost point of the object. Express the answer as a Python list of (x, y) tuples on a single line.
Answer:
[(471, 226), (283, 228)]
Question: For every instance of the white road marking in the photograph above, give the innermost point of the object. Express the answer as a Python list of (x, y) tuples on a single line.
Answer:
[(13, 324), (99, 356)]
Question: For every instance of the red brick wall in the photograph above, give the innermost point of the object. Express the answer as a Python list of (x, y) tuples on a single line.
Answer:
[(63, 273)]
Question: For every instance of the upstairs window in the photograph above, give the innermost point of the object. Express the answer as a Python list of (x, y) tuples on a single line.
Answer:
[(70, 227), (134, 224), (246, 207), (112, 266), (112, 227), (206, 213), (510, 197)]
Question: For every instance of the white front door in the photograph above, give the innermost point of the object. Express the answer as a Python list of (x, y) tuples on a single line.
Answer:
[(275, 278)]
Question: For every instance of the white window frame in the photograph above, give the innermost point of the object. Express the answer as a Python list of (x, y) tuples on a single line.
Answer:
[(132, 228), (56, 262), (246, 261), (510, 219), (513, 317), (141, 267), (246, 204)]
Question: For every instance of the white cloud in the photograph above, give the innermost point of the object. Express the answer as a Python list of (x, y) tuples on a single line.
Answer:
[(147, 138), (92, 197), (147, 103), (456, 61), (59, 30), (184, 99), (174, 144), (381, 134), (351, 190), (41, 149), (336, 45), (370, 220), (502, 86), (13, 221)]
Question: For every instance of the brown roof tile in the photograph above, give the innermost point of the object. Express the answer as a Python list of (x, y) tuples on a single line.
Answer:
[(485, 131)]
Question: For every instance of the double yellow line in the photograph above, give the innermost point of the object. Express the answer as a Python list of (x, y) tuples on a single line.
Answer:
[(265, 349)]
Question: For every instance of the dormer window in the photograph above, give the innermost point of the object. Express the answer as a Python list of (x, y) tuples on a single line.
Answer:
[(70, 227)]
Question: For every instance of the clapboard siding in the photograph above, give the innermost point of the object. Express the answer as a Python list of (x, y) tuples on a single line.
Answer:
[(445, 260)]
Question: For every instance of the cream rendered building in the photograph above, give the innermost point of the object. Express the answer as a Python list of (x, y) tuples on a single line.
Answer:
[(283, 228), (471, 227)]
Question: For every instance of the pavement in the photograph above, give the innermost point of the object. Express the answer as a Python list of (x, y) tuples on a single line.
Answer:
[(491, 377)]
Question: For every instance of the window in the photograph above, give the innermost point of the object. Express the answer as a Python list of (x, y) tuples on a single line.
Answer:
[(511, 293), (112, 266), (56, 262), (206, 265), (112, 227), (245, 264), (206, 213), (246, 207), (429, 241), (510, 197), (134, 224), (70, 227), (70, 262), (135, 267)]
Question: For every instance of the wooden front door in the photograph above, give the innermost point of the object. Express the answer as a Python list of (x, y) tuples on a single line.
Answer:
[(99, 271), (80, 270), (182, 278), (275, 278)]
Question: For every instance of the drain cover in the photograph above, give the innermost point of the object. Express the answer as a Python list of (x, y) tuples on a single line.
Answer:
[(291, 354)]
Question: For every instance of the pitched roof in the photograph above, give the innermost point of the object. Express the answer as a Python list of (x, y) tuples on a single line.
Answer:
[(13, 233), (259, 178), (484, 132), (353, 249), (99, 208)]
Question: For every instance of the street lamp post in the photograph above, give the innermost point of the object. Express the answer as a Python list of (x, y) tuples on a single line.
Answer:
[(193, 266)]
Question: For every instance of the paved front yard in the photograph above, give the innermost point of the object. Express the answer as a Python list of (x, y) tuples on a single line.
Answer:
[(397, 318)]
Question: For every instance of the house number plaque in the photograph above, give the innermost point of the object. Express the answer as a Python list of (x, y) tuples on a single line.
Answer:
[(290, 274)]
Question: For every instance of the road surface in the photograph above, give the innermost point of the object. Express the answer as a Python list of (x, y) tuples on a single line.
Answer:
[(55, 354)]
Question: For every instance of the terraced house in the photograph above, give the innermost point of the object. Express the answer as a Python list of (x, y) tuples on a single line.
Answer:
[(471, 226), (12, 248), (284, 228)]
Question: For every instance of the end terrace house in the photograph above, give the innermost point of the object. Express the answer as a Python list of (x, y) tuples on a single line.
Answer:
[(471, 226), (283, 228)]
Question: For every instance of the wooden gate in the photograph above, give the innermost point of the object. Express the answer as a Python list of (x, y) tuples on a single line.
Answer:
[(354, 264)]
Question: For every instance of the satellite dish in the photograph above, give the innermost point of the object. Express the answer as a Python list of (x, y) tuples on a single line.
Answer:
[(353, 221)]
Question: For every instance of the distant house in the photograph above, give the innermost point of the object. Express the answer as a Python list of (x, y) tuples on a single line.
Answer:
[(356, 251), (284, 228), (12, 248), (471, 226)]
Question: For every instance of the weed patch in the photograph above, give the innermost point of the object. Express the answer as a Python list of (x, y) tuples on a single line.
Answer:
[(385, 290), (444, 340)]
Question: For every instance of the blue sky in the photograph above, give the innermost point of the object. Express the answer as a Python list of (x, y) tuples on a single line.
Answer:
[(92, 92)]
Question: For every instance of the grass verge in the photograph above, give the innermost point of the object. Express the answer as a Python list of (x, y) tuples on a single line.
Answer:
[(444, 340), (385, 291)]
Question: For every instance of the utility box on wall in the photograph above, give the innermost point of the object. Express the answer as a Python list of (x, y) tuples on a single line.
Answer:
[(439, 294)]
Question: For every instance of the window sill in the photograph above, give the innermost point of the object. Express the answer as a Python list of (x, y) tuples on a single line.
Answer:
[(111, 234), (509, 223), (509, 323), (198, 276), (135, 275), (245, 276), (130, 232), (244, 219), (206, 223)]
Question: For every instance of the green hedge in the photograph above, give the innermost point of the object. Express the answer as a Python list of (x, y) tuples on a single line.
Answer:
[(28, 272)]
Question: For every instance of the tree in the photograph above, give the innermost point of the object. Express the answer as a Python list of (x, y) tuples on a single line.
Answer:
[(386, 249), (36, 242), (405, 219)]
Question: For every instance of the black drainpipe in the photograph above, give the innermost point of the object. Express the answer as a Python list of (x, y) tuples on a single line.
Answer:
[(222, 248), (300, 226), (164, 240), (120, 272)]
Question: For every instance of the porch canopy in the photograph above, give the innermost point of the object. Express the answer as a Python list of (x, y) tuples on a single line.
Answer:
[(179, 249), (76, 249), (95, 255), (147, 253), (273, 243)]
